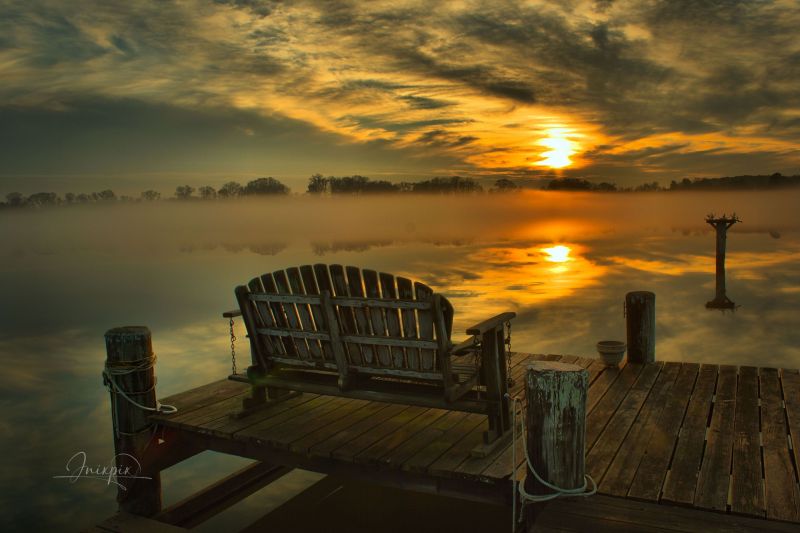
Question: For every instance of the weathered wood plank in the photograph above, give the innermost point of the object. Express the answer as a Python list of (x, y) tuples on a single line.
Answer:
[(604, 377), (605, 447), (268, 285), (421, 460), (747, 487), (652, 471), (375, 314), (311, 287), (425, 323), (355, 286), (623, 467), (782, 498), (405, 291), (376, 433), (790, 382), (682, 478), (607, 513), (200, 397), (292, 316), (356, 412), (304, 311), (400, 454), (341, 438), (347, 318), (225, 426), (389, 292), (281, 435), (713, 481), (605, 408), (375, 452)]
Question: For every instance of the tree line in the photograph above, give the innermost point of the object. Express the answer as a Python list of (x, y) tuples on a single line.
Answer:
[(333, 185)]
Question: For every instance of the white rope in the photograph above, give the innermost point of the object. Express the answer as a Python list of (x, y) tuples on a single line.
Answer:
[(520, 487), (111, 371)]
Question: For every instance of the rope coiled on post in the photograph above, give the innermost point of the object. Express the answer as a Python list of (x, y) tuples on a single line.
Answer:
[(519, 488), (124, 368)]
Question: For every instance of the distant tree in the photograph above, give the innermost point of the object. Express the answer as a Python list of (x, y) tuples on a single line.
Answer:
[(261, 186), (230, 190), (150, 195), (317, 184), (648, 187), (69, 197), (207, 192), (359, 185), (184, 192), (504, 185), (15, 199), (82, 198), (569, 184), (42, 199), (106, 196), (453, 184), (606, 187)]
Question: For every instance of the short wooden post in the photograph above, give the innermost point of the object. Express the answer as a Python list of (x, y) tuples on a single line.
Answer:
[(126, 348), (556, 426), (640, 321)]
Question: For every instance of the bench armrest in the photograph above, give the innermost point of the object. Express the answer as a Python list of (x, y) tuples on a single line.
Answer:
[(490, 324), (232, 314)]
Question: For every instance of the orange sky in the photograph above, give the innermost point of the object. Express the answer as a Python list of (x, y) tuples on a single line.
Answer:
[(614, 91)]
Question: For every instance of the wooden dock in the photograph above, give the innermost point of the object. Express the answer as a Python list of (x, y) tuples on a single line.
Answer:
[(708, 437)]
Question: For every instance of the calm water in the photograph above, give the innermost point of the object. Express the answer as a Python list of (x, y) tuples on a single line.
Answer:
[(562, 262)]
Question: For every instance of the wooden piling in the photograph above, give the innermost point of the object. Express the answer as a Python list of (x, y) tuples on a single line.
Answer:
[(556, 426), (640, 322), (130, 364)]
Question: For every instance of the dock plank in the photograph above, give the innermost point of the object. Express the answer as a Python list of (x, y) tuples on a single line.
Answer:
[(652, 470), (781, 494), (607, 513), (605, 447), (682, 476), (623, 468), (790, 382), (714, 478), (606, 407), (747, 488)]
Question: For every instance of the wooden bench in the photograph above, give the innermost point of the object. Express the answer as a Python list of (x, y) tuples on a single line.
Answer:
[(341, 331)]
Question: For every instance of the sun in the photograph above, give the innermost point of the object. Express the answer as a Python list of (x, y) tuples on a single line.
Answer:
[(561, 148), (557, 254)]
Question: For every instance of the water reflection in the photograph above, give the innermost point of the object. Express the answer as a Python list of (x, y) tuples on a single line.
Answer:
[(564, 267)]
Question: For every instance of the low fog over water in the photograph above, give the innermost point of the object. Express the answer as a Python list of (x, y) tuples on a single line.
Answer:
[(71, 273)]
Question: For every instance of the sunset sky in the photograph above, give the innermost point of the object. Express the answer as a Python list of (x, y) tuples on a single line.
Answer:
[(205, 91)]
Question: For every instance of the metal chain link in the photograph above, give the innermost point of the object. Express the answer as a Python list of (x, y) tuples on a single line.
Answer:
[(233, 348)]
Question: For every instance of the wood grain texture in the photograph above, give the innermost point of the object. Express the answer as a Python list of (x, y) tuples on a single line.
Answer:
[(747, 487)]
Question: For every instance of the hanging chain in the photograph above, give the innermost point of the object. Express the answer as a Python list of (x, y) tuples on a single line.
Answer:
[(233, 348), (476, 350), (508, 354)]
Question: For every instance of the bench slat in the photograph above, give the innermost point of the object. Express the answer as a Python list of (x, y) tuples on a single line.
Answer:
[(376, 316), (389, 292), (424, 294), (347, 320), (356, 288), (292, 317), (349, 301), (398, 342), (304, 311), (263, 315), (268, 286), (310, 284), (406, 292)]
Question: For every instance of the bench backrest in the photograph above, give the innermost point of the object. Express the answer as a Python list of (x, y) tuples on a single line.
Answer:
[(342, 319)]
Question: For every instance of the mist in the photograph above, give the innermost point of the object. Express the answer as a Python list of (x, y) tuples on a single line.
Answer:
[(268, 225)]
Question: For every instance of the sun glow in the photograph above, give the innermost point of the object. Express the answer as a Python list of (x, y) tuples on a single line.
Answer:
[(561, 148), (557, 254)]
